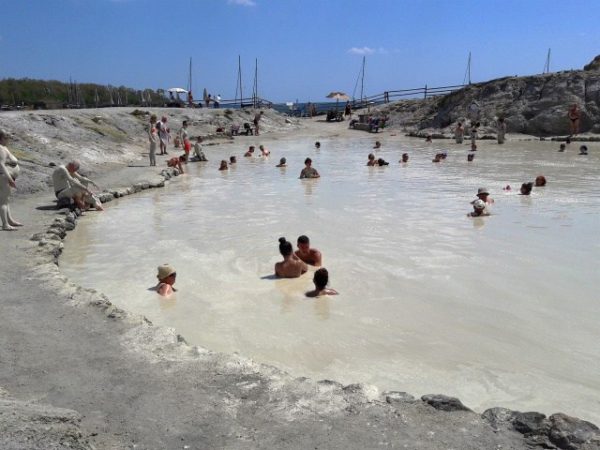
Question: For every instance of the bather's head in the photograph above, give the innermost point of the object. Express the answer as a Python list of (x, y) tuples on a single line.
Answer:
[(303, 243), (404, 157), (73, 166), (321, 278), (166, 274), (526, 188), (540, 180), (285, 247), (308, 162)]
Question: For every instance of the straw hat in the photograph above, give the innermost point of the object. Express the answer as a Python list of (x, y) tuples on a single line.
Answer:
[(164, 271), (483, 191)]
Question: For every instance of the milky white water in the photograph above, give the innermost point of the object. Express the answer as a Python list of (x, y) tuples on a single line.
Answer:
[(499, 311)]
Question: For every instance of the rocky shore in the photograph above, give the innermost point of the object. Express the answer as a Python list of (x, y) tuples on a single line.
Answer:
[(79, 372)]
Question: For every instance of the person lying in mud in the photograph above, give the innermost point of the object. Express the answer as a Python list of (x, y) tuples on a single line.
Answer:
[(175, 162), (526, 188), (479, 209), (404, 158), (198, 150), (291, 266), (321, 279), (250, 152), (371, 160), (282, 163), (310, 256), (223, 165), (68, 183), (166, 279), (309, 171)]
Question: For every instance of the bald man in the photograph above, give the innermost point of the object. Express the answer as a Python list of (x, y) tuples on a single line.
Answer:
[(70, 184)]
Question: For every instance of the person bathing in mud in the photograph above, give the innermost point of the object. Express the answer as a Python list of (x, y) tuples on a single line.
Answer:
[(479, 209), (404, 158), (371, 160), (291, 266), (263, 151), (166, 279), (250, 152), (68, 183), (282, 163), (309, 171), (321, 279), (310, 256)]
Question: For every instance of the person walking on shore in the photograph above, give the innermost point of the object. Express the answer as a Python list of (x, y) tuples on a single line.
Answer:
[(459, 133), (163, 134), (574, 117), (501, 130), (257, 118), (9, 170), (153, 137)]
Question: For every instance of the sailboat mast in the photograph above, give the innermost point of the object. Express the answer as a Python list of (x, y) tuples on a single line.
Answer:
[(190, 77), (362, 80), (255, 86), (547, 66)]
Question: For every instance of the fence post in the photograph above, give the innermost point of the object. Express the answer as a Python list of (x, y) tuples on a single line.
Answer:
[(425, 92)]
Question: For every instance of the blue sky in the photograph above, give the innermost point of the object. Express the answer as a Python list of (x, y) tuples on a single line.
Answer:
[(305, 48)]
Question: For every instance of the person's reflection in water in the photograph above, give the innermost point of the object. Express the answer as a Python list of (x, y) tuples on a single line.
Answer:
[(478, 222), (165, 303), (321, 305), (309, 185)]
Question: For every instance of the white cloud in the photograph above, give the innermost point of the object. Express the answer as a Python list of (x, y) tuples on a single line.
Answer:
[(362, 50), (242, 2)]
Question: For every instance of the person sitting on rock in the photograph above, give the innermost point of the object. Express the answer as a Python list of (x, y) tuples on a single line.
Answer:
[(69, 184), (198, 150), (166, 279), (321, 279), (291, 266), (175, 162)]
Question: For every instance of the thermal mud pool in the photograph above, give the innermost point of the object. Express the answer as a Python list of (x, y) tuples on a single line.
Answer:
[(498, 311)]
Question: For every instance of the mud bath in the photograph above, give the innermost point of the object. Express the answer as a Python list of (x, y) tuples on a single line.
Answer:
[(498, 311)]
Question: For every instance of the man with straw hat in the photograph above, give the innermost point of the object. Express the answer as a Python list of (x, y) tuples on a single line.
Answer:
[(166, 279)]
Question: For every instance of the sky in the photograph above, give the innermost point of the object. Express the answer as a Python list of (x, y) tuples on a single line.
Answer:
[(305, 48)]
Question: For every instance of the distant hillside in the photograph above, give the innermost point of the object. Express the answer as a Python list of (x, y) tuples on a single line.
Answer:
[(534, 105), (43, 94)]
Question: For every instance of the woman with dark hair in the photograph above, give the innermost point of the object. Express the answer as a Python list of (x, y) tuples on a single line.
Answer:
[(526, 188), (309, 171), (321, 278), (291, 266)]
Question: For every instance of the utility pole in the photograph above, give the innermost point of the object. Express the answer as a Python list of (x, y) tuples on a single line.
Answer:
[(547, 65)]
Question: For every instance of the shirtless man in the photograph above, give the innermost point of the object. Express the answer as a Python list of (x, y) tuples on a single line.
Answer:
[(574, 117), (309, 255), (309, 171), (68, 183), (291, 266), (257, 118), (9, 169), (459, 133), (321, 278)]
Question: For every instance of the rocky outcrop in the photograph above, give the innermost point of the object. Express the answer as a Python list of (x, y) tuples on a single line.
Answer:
[(535, 105)]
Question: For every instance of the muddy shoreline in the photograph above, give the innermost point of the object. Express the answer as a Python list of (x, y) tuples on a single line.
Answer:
[(83, 373)]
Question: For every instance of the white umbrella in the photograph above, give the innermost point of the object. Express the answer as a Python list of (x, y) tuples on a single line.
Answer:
[(177, 90)]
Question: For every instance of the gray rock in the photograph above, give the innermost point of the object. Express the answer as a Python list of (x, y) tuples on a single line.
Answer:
[(395, 397), (531, 423), (570, 433), (444, 403), (499, 417)]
